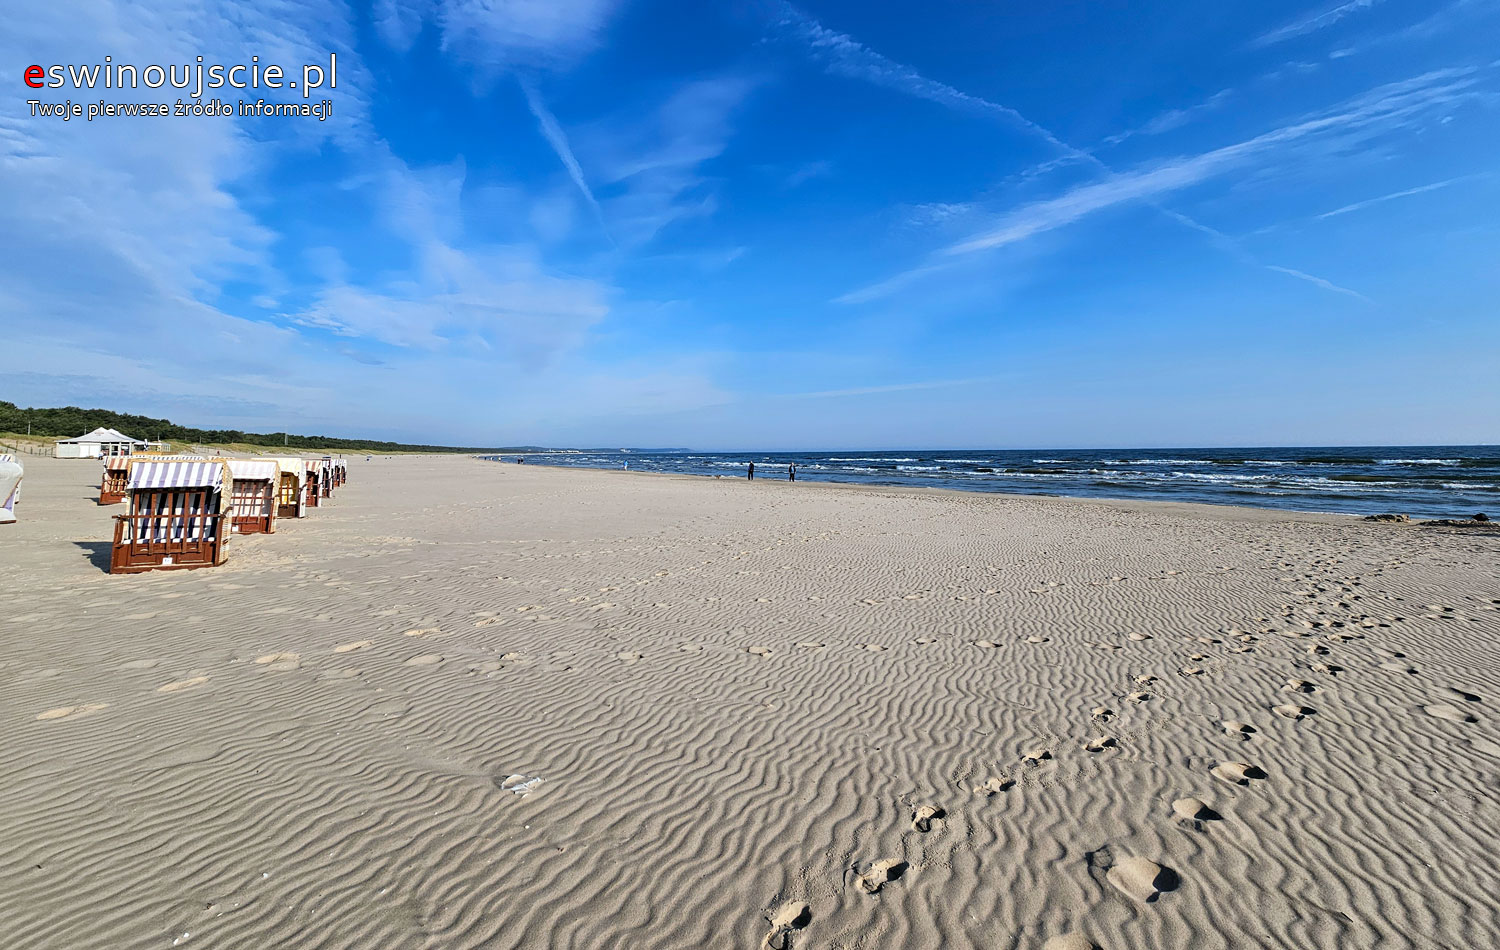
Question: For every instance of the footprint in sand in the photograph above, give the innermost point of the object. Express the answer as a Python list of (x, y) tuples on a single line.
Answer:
[(182, 685), (923, 817), (420, 632), (994, 785), (880, 874), (629, 656), (764, 652), (872, 647), (1035, 639), (1138, 637), (425, 659), (811, 645), (987, 644), (72, 712), (1036, 756), (1191, 671), (1450, 713), (1332, 669), (1194, 812), (1100, 743), (923, 641), (1070, 941), (1396, 666), (1237, 773), (793, 915), (351, 647), (1237, 729), (1140, 696), (1141, 879), (1456, 693), (280, 662), (138, 665), (1292, 711), (1101, 714), (1299, 686), (1145, 679)]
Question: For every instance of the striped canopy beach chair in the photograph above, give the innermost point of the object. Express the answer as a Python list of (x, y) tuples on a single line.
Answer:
[(112, 487), (290, 499), (177, 516), (252, 495)]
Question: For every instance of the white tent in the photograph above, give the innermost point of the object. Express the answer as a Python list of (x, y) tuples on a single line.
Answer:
[(10, 488), (100, 442)]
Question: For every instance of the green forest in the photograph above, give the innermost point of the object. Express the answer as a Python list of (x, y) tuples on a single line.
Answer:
[(70, 421)]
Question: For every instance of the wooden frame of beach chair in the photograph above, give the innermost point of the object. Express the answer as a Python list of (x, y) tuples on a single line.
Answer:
[(252, 506), (252, 495), (167, 529), (312, 487), (326, 473), (113, 486)]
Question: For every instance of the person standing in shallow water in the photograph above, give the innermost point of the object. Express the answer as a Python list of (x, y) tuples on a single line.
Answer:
[(791, 472), (750, 473)]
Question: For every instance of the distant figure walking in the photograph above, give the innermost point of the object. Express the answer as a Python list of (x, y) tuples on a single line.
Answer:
[(751, 473), (791, 472)]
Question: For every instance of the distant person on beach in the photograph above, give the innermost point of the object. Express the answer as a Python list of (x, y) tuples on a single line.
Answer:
[(751, 473), (791, 472)]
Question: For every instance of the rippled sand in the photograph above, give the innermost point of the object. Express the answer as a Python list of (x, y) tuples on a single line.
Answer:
[(480, 705)]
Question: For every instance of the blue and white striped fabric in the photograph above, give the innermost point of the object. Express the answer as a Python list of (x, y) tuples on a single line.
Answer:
[(254, 470), (146, 474)]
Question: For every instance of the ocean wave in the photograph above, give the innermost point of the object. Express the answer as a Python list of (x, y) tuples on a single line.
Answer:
[(919, 468), (881, 459)]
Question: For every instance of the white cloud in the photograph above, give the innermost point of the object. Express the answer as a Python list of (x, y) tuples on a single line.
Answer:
[(843, 55), (1315, 22), (650, 161), (499, 34), (1173, 118), (555, 137), (1378, 111), (1406, 193)]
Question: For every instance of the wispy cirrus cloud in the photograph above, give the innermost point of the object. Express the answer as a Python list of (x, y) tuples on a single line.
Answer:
[(558, 139), (1405, 193), (1311, 24), (844, 55), (1173, 118), (499, 34), (1380, 110), (650, 161)]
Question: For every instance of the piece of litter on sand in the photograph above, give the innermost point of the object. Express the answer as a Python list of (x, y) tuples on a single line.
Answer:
[(520, 784)]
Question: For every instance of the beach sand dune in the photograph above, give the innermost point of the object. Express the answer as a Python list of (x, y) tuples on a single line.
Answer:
[(480, 705)]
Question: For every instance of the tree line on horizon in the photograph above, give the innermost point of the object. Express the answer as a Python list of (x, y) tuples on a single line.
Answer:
[(71, 421)]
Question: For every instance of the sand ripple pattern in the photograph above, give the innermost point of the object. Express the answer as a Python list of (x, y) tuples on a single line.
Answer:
[(592, 710)]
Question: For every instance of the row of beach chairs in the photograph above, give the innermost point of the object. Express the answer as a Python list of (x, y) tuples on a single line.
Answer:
[(183, 509)]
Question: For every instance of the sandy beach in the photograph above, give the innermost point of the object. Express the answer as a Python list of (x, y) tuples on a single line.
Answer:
[(471, 704)]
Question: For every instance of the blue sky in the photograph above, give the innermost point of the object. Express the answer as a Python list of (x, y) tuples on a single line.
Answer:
[(765, 225)]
